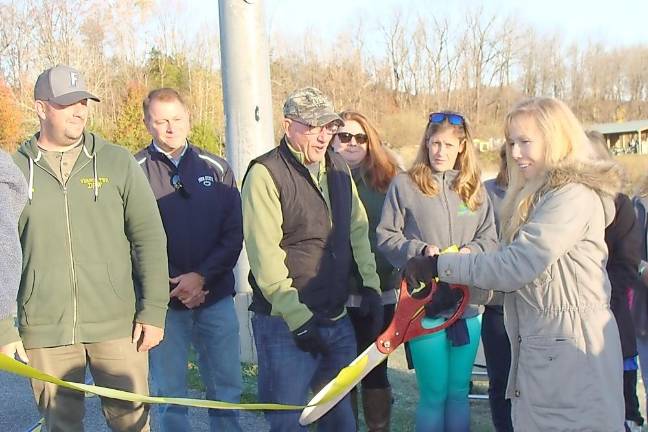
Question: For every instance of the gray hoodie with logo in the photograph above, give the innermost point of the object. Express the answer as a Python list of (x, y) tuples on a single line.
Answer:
[(411, 220), (13, 195)]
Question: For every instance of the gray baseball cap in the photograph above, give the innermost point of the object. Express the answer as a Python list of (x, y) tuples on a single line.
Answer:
[(62, 85), (309, 105)]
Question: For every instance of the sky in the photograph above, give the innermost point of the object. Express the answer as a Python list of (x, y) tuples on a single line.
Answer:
[(611, 22)]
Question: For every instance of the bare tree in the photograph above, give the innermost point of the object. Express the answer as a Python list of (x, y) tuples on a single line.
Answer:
[(398, 51)]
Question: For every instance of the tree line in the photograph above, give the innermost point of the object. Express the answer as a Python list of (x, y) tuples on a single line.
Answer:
[(478, 64)]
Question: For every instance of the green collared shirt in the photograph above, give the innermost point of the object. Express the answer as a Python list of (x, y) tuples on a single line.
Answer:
[(262, 230)]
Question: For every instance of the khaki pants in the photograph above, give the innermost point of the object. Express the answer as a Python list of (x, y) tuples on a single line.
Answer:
[(115, 364)]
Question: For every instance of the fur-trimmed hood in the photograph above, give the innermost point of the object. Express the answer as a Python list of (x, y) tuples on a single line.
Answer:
[(605, 177)]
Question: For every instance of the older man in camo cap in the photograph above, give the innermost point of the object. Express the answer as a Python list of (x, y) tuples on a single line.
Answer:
[(304, 229)]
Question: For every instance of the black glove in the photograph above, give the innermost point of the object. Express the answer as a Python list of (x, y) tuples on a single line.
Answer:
[(444, 298), (420, 269), (371, 310), (308, 338)]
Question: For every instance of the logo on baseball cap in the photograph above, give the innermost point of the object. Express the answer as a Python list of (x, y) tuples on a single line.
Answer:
[(308, 105), (62, 85)]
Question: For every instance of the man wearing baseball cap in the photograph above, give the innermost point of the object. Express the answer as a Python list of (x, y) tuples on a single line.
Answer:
[(89, 206), (304, 228)]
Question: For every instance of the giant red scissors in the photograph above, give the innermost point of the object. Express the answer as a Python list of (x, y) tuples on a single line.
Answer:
[(405, 325)]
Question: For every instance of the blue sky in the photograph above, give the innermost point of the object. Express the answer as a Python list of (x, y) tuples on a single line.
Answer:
[(612, 22)]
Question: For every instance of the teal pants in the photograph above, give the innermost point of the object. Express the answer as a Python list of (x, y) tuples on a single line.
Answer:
[(443, 374)]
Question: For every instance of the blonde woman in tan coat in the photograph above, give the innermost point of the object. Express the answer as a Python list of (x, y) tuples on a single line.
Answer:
[(566, 363)]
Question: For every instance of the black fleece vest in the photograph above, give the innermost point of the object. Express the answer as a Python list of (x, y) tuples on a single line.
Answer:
[(318, 252)]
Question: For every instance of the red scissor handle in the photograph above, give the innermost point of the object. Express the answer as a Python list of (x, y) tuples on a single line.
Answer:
[(410, 310)]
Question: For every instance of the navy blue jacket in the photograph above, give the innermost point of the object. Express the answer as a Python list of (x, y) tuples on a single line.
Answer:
[(201, 213)]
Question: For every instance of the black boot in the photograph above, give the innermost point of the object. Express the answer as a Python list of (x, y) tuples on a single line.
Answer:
[(377, 405)]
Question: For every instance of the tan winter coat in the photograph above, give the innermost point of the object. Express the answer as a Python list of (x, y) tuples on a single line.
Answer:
[(566, 367)]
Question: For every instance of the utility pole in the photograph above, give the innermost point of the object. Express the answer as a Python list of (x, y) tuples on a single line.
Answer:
[(245, 69)]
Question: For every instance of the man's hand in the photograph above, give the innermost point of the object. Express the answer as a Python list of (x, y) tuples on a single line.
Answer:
[(146, 336), (190, 289), (465, 250), (15, 349), (196, 301), (308, 338)]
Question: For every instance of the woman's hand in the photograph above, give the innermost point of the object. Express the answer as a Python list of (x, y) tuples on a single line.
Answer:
[(465, 250), (420, 269), (431, 250)]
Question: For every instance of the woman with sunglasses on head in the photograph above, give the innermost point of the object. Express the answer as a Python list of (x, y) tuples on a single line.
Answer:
[(373, 166), (439, 203), (566, 362)]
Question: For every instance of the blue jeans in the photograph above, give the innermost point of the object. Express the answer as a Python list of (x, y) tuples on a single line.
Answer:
[(214, 332), (286, 373), (497, 350)]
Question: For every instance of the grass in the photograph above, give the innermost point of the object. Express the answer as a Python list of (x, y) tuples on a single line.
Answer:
[(405, 394), (248, 370), (403, 384)]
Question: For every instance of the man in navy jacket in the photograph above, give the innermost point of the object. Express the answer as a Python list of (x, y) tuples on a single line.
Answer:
[(201, 212)]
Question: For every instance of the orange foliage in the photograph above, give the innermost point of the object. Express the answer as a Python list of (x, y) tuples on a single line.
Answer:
[(11, 118)]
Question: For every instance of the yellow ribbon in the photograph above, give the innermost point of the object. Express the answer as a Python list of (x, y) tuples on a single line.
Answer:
[(12, 366), (450, 249), (341, 381)]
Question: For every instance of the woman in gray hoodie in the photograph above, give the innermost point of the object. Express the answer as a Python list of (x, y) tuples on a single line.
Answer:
[(439, 203), (566, 364)]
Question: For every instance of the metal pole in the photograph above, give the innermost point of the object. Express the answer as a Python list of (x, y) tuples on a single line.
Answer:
[(245, 70)]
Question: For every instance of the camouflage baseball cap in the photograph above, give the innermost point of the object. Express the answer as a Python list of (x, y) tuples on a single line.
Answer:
[(309, 105)]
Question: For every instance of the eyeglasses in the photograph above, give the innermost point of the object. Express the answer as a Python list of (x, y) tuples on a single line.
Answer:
[(453, 119), (345, 137), (329, 129), (178, 186)]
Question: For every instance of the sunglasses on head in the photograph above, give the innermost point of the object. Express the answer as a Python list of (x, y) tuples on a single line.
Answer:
[(345, 137), (178, 186), (453, 119)]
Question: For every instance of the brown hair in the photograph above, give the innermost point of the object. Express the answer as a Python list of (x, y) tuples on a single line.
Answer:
[(502, 175), (599, 145), (468, 183), (164, 94), (378, 165)]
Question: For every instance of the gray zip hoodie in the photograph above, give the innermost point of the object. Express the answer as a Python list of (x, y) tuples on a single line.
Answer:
[(411, 220), (13, 195)]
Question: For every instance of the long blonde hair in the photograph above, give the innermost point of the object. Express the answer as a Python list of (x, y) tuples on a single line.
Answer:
[(565, 142), (468, 183)]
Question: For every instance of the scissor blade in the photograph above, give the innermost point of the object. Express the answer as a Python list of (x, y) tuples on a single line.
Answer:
[(342, 384)]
